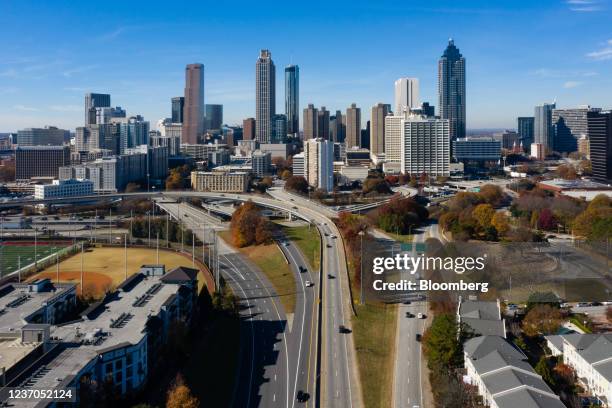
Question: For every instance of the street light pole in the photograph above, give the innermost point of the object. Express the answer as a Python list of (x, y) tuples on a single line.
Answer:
[(361, 299)]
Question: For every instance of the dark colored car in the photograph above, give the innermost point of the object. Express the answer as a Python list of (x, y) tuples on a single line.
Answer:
[(330, 276), (409, 315), (329, 246), (302, 396), (418, 337), (343, 329)]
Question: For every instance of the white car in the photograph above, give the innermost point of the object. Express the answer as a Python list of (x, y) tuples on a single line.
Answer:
[(308, 284), (420, 316)]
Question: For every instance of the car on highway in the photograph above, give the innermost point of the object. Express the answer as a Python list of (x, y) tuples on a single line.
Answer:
[(409, 315), (303, 269), (329, 246), (420, 316), (583, 304), (326, 234), (330, 276), (308, 284), (418, 337), (286, 243), (302, 396), (343, 329)]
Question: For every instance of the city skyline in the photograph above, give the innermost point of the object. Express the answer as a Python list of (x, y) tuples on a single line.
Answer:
[(45, 85)]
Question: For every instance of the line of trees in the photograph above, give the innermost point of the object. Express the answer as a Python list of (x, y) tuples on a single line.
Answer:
[(172, 230), (399, 215)]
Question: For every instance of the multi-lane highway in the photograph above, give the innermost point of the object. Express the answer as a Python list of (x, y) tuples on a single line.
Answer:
[(278, 350)]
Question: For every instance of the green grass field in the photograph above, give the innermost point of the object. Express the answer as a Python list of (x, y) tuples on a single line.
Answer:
[(11, 252)]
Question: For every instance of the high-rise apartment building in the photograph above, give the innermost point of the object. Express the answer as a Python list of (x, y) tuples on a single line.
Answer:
[(40, 161), (600, 144), (265, 96), (569, 125), (178, 106), (319, 163), (323, 123), (193, 123), (426, 146), (92, 101), (394, 135), (353, 126), (248, 129), (261, 163), (377, 127), (543, 127), (451, 89), (292, 99), (311, 116), (107, 114), (406, 94), (525, 129), (49, 135), (213, 117)]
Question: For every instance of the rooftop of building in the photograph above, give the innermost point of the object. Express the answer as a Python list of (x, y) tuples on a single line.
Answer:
[(484, 317), (595, 349), (578, 184), (18, 301), (117, 321), (507, 375)]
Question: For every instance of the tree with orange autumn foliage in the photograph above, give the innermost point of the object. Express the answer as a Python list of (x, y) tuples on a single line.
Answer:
[(249, 227)]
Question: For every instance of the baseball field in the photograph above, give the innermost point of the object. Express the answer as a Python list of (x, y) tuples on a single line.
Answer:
[(104, 268)]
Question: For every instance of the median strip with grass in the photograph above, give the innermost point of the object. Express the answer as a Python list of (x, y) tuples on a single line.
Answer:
[(272, 263), (374, 331), (309, 242)]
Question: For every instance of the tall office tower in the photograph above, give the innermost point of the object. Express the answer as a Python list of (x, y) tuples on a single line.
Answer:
[(41, 136), (323, 123), (311, 116), (525, 129), (248, 129), (178, 105), (265, 96), (542, 125), (108, 114), (134, 132), (193, 121), (336, 129), (364, 139), (406, 94), (213, 117), (292, 99), (377, 127), (600, 144), (40, 161), (569, 125), (319, 163), (451, 89), (425, 109), (279, 128), (353, 126), (426, 146), (92, 101)]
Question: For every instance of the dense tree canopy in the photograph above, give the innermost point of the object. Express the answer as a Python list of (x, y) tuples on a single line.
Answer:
[(249, 227)]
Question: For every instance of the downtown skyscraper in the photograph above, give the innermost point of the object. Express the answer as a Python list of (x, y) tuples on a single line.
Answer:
[(377, 127), (265, 96), (193, 110), (406, 94), (543, 126), (353, 127), (451, 89), (93, 101), (292, 99)]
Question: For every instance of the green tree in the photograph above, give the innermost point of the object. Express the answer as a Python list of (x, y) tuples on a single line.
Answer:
[(440, 342), (543, 368)]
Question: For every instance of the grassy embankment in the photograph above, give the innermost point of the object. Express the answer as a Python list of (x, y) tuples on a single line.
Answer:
[(272, 263)]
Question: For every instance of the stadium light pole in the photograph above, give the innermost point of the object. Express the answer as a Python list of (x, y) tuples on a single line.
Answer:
[(82, 255), (157, 248), (192, 249), (57, 265), (35, 247), (19, 268), (125, 255), (110, 225)]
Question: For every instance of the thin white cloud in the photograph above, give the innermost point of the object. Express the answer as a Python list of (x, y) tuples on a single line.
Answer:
[(77, 70), (557, 73), (112, 34), (603, 54), (584, 6), (66, 108), (571, 84), (25, 108)]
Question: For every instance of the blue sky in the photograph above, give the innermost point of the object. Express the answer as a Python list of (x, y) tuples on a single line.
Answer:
[(518, 54)]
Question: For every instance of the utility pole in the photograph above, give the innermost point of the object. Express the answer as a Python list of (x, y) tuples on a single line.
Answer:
[(19, 268), (96, 223), (110, 225), (131, 228), (157, 248), (35, 247), (193, 249), (149, 219), (167, 230), (57, 266)]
